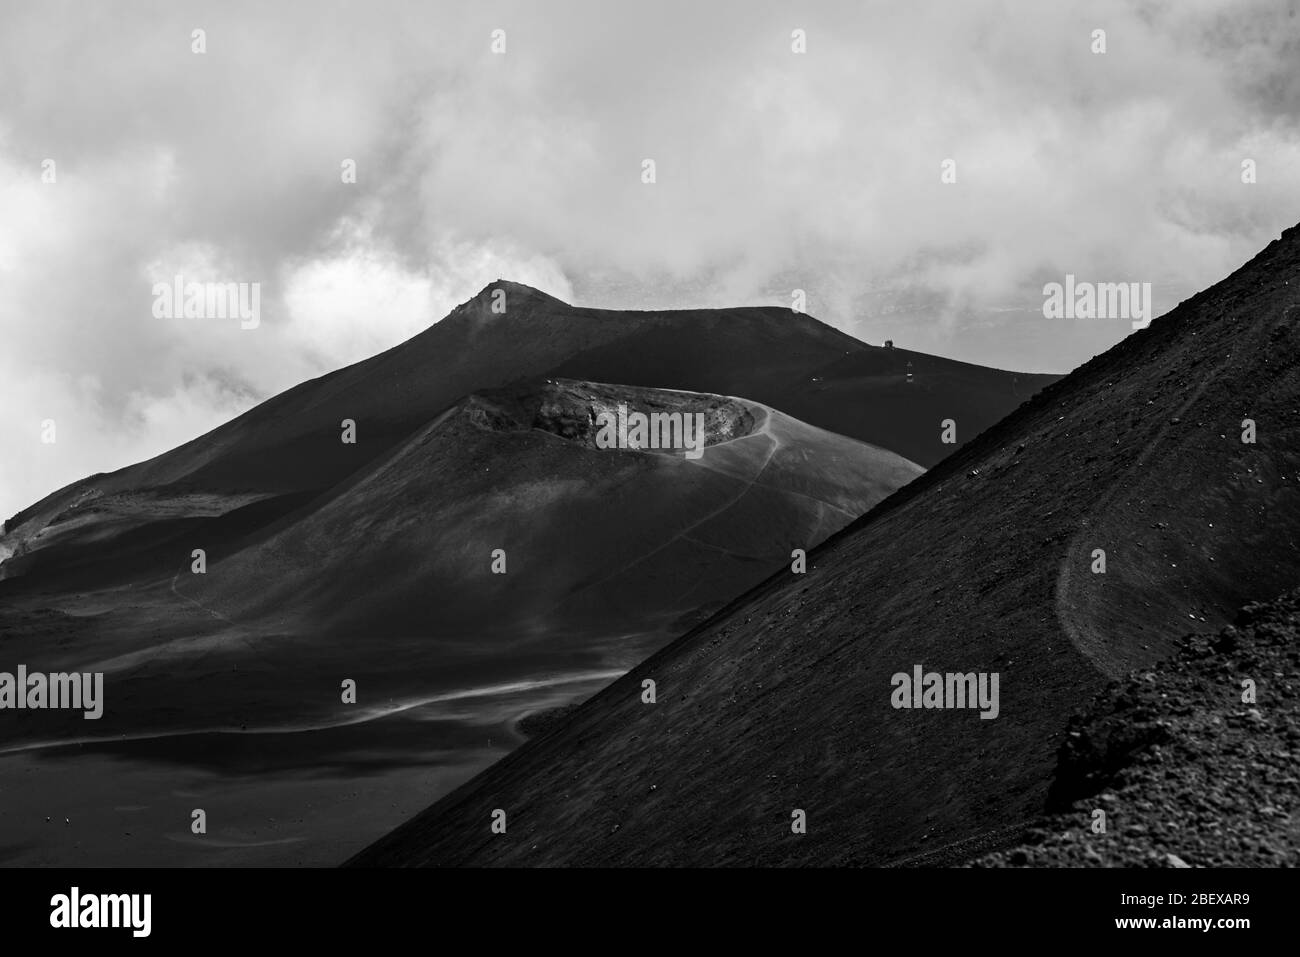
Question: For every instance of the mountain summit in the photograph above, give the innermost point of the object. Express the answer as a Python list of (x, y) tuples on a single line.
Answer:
[(501, 296)]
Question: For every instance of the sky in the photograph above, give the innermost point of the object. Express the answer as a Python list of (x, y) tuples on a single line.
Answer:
[(775, 170)]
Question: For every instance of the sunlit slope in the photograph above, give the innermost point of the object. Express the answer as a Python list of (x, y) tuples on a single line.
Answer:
[(593, 541)]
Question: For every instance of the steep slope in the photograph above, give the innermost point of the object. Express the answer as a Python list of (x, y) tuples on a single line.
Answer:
[(392, 579), (270, 461), (783, 701), (1187, 773)]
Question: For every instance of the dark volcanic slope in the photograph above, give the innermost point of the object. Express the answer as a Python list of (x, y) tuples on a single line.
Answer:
[(388, 579), (1187, 773), (279, 455), (782, 701)]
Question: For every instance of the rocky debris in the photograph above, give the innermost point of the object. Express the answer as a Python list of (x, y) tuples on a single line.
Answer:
[(1187, 773)]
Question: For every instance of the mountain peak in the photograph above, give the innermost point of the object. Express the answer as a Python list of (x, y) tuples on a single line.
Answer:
[(515, 291), (501, 297)]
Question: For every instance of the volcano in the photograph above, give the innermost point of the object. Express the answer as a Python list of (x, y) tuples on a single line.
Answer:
[(284, 453), (496, 545), (385, 572)]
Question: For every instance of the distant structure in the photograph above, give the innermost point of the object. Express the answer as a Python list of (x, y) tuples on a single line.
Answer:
[(889, 343)]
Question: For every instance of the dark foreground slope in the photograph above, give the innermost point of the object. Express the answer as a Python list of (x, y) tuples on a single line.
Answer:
[(782, 702), (1186, 773), (282, 454)]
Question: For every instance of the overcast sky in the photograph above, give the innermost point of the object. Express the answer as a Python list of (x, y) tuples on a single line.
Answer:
[(775, 170)]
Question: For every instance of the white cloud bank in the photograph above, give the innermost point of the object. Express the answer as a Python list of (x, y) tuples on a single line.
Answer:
[(775, 170)]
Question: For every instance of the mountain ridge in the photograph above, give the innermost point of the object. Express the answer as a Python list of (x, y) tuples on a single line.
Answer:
[(287, 448)]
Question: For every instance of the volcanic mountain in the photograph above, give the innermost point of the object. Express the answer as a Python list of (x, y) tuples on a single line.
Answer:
[(498, 544), (284, 453), (1153, 490), (278, 610)]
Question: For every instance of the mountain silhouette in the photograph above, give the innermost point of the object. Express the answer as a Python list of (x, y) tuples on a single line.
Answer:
[(278, 456)]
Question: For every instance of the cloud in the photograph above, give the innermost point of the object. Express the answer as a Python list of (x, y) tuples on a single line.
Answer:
[(359, 297), (775, 170)]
